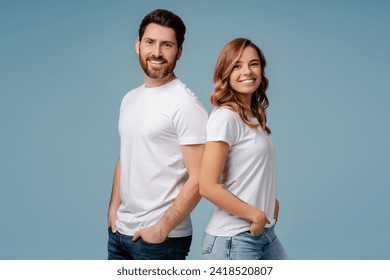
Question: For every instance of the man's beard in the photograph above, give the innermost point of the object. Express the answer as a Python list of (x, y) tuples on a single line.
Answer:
[(162, 72)]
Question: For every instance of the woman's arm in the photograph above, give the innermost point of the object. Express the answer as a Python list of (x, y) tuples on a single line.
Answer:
[(209, 187)]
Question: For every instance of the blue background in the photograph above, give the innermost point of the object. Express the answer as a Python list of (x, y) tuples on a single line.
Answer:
[(65, 66)]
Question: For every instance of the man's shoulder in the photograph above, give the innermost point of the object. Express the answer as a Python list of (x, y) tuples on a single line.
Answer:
[(185, 94), (181, 90)]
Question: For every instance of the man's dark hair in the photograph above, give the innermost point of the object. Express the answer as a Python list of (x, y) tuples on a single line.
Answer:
[(164, 18)]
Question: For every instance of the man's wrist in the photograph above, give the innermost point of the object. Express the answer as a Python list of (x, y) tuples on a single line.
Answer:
[(163, 227)]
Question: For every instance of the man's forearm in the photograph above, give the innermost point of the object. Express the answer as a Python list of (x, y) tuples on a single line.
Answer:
[(183, 205), (115, 200)]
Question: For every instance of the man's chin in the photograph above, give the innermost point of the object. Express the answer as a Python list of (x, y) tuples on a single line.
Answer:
[(156, 75)]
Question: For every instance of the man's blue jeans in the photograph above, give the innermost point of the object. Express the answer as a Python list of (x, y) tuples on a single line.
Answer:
[(122, 247), (243, 246)]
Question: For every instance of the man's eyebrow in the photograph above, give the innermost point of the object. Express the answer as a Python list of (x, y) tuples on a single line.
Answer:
[(168, 42), (163, 42)]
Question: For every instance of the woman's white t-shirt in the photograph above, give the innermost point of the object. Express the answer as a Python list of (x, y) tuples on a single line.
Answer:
[(249, 171)]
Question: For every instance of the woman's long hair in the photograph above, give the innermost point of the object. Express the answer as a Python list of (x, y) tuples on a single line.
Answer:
[(223, 94)]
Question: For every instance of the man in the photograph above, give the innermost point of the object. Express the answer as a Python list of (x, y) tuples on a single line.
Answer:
[(162, 130)]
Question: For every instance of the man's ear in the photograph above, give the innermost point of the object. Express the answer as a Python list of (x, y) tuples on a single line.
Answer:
[(137, 43), (179, 53)]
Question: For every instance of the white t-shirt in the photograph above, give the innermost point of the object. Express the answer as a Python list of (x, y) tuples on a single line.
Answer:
[(153, 124), (249, 171)]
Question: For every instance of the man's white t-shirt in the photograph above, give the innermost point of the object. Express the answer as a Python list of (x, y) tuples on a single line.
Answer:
[(153, 124), (249, 171)]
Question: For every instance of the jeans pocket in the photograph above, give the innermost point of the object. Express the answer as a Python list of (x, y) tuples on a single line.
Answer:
[(208, 243), (152, 244), (250, 235)]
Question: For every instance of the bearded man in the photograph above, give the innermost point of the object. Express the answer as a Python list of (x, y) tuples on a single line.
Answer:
[(162, 127)]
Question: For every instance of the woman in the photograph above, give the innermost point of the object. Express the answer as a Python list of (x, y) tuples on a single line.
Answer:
[(238, 168)]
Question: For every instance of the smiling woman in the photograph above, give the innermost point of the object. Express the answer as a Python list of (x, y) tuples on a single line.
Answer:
[(246, 75), (240, 83), (238, 168)]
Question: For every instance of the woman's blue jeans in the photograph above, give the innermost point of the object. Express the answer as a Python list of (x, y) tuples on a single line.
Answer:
[(244, 246)]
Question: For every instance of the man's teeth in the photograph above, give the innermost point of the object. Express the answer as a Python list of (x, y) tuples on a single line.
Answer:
[(156, 62)]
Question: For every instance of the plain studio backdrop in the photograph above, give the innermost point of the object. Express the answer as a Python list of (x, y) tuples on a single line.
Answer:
[(65, 66)]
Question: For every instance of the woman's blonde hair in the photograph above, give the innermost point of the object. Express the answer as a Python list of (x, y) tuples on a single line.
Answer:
[(223, 94)]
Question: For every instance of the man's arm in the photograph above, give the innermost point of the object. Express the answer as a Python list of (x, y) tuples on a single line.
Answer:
[(115, 200), (184, 203)]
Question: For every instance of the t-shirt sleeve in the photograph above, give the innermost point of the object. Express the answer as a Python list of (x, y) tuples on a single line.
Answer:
[(222, 126), (123, 102), (190, 121)]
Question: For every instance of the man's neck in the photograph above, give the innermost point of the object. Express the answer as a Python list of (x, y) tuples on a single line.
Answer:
[(150, 82)]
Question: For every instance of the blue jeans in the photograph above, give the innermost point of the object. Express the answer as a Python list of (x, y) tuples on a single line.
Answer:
[(122, 247), (243, 246)]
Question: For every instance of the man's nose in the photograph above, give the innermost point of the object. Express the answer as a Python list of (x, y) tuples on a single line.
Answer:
[(157, 50)]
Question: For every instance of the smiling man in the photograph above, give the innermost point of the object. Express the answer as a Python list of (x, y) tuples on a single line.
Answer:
[(162, 126)]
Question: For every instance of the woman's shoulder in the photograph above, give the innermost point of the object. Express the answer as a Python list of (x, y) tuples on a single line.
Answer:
[(225, 113), (224, 117)]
